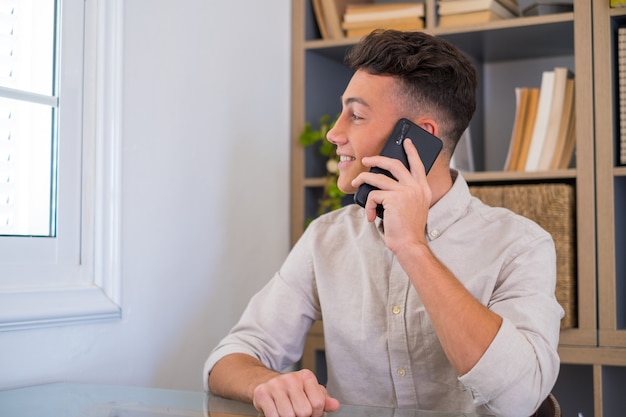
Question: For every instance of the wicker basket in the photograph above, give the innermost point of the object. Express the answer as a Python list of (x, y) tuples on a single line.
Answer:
[(553, 207)]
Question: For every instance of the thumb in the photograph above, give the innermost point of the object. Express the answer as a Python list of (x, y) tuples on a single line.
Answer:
[(331, 404)]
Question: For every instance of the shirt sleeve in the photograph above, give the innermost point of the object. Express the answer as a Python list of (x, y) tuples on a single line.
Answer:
[(274, 325), (521, 365)]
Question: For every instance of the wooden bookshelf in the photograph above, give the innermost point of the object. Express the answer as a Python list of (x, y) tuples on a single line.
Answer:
[(510, 53), (611, 203)]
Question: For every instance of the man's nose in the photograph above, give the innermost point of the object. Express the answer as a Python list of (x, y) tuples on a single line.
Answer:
[(335, 135)]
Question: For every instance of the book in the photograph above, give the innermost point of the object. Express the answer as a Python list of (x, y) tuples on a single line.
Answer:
[(355, 8), (332, 18), (465, 19), (361, 19), (384, 11), (541, 122), (384, 23), (333, 11), (466, 6), (621, 76), (561, 75), (570, 140), (529, 124), (564, 145), (512, 5), (319, 17), (515, 144), (540, 9), (360, 29)]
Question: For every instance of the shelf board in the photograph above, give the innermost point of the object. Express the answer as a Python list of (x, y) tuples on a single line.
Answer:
[(519, 38), (492, 176), (314, 182), (620, 171), (618, 11), (506, 176), (593, 355)]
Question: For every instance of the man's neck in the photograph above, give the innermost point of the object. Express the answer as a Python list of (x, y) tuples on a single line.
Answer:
[(440, 181)]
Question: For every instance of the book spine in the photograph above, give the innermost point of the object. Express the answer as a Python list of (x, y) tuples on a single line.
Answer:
[(541, 122), (406, 22), (621, 64), (413, 11), (466, 6), (333, 19)]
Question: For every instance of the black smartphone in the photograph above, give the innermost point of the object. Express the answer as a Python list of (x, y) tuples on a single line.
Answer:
[(427, 145)]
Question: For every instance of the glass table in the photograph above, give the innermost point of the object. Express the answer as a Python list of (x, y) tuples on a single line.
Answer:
[(92, 400)]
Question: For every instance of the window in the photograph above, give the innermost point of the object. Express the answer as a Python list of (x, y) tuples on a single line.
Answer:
[(28, 110), (62, 266)]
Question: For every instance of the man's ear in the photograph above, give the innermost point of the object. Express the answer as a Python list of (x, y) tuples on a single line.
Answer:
[(429, 125)]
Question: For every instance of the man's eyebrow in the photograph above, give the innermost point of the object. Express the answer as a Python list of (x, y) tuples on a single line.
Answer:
[(350, 100)]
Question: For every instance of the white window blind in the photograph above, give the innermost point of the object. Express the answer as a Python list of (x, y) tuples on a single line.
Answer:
[(27, 117)]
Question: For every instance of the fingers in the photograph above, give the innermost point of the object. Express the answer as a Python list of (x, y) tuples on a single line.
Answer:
[(415, 162), (331, 405), (296, 394), (315, 395), (404, 179), (394, 166)]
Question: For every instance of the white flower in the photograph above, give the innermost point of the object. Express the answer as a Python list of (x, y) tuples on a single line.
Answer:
[(331, 166)]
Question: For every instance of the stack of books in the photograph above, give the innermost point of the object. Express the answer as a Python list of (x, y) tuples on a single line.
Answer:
[(473, 12), (543, 135), (329, 16), (361, 19)]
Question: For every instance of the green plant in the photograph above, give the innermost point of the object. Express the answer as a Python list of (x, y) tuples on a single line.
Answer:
[(332, 196)]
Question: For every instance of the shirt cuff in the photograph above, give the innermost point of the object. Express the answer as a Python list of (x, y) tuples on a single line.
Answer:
[(506, 361), (218, 354)]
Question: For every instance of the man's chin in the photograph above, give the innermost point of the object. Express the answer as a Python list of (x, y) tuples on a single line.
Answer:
[(345, 178), (346, 189)]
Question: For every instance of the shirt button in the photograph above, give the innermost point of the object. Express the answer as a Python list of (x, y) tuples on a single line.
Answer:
[(434, 233), (401, 372), (396, 310)]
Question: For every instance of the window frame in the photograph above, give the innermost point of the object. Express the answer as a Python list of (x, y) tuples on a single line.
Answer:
[(81, 282)]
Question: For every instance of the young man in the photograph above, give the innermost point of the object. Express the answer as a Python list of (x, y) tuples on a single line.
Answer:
[(447, 304)]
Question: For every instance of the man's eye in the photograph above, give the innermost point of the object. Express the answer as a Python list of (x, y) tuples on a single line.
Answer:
[(356, 117)]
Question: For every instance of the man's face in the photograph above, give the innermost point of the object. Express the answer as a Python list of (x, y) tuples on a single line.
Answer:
[(369, 112)]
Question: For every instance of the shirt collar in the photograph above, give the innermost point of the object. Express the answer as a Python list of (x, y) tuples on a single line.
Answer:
[(451, 207), (446, 211)]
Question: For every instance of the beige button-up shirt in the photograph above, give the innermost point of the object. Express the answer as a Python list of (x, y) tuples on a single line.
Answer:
[(381, 348)]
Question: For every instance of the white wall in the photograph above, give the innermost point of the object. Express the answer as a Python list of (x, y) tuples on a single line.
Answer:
[(205, 195)]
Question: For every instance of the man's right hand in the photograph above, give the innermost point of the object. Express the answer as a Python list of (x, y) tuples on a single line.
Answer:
[(294, 394)]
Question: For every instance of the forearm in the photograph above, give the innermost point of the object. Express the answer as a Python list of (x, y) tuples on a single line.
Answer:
[(236, 376), (464, 326)]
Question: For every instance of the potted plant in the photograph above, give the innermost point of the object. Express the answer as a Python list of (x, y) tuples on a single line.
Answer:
[(332, 196)]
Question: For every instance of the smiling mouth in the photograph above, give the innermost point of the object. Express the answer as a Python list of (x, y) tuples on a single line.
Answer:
[(343, 158)]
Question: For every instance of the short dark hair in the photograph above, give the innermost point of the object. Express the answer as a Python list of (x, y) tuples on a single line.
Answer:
[(436, 75)]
